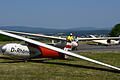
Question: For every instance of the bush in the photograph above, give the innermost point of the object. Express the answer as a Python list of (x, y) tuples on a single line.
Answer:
[(115, 31)]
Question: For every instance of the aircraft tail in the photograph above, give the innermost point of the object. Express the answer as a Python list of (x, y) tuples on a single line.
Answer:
[(68, 46), (92, 36)]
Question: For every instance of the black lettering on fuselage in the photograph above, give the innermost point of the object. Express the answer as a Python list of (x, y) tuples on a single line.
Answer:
[(18, 50), (12, 49)]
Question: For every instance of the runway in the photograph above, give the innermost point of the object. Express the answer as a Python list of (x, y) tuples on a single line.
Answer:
[(97, 48), (93, 48)]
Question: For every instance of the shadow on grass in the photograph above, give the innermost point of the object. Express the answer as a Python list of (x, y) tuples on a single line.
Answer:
[(9, 60), (77, 66), (6, 58), (63, 64)]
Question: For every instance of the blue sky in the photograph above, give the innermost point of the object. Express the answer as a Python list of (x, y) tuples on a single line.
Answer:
[(60, 13)]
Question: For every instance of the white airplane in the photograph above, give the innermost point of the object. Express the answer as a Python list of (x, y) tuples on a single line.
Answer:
[(37, 49), (105, 41)]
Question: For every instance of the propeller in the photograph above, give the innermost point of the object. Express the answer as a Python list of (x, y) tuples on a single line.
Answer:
[(57, 49)]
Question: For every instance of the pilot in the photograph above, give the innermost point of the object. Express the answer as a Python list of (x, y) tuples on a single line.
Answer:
[(70, 38)]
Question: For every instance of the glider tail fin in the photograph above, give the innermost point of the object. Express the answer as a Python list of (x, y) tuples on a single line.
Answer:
[(68, 46), (92, 36)]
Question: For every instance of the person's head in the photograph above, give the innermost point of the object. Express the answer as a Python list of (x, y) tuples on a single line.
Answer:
[(71, 34)]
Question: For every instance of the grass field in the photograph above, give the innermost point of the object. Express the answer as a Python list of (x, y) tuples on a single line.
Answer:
[(6, 42), (58, 69)]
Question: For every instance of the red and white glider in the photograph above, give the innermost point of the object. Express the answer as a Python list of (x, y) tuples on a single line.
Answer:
[(38, 49)]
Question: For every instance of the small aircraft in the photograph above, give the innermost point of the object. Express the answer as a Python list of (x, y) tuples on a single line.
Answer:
[(107, 42), (35, 49)]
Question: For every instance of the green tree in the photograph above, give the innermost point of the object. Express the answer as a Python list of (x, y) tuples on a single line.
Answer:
[(115, 31)]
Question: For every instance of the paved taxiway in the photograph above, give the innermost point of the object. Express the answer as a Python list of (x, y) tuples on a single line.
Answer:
[(94, 48), (97, 48)]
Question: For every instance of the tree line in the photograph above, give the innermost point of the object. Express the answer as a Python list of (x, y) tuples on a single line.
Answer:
[(115, 31)]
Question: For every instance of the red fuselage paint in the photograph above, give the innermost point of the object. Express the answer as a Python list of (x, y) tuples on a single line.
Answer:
[(68, 46), (47, 53)]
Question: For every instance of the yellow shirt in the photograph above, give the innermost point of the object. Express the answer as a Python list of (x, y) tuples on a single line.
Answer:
[(70, 38)]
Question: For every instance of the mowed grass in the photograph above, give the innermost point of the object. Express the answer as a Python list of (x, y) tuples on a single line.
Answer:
[(6, 42), (58, 69)]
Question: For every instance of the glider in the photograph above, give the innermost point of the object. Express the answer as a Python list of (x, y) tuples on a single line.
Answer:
[(73, 45), (40, 50)]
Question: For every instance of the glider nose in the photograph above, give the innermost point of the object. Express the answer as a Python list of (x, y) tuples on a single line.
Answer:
[(3, 49)]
